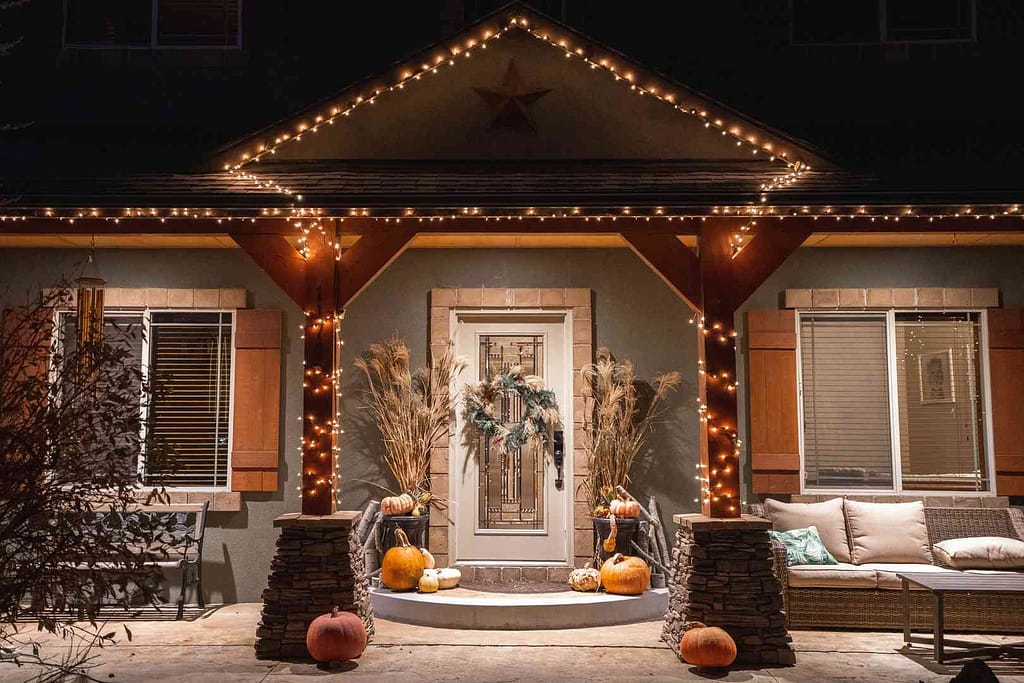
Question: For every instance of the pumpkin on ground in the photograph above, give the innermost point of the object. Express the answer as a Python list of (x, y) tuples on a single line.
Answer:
[(625, 508), (625, 575), (337, 636), (402, 565), (448, 577), (707, 647), (397, 505), (429, 582), (584, 580)]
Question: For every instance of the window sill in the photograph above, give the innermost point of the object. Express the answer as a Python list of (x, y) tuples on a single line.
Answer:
[(220, 501)]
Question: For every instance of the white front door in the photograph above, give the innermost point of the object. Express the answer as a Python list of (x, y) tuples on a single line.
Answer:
[(506, 507)]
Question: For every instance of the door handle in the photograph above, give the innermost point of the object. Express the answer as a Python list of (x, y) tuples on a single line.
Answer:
[(559, 457)]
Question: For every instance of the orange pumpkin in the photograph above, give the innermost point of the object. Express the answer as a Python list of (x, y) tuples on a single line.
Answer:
[(625, 508), (624, 575), (402, 565), (337, 636), (707, 647)]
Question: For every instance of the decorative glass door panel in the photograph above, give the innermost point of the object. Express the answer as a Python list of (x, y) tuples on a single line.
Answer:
[(511, 484), (505, 507)]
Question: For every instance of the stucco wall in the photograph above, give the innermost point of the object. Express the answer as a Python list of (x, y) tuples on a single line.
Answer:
[(634, 313)]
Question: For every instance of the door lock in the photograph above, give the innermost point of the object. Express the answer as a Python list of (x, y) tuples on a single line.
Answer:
[(559, 457)]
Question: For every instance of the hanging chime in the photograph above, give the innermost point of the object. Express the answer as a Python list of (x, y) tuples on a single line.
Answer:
[(90, 319)]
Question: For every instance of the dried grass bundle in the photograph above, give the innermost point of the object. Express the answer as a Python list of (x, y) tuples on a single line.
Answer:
[(617, 428), (411, 408)]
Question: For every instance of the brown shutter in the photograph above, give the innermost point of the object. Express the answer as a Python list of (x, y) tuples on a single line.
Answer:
[(1006, 369), (255, 450), (772, 391)]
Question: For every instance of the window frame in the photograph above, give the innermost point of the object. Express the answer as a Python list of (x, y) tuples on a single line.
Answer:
[(146, 314), (883, 32), (154, 32), (894, 417)]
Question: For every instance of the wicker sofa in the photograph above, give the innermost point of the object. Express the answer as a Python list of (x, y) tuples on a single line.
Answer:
[(869, 595)]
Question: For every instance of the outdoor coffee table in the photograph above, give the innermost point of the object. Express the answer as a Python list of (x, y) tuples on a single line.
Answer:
[(941, 584)]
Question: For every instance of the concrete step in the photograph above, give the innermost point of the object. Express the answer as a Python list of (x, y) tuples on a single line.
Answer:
[(470, 609)]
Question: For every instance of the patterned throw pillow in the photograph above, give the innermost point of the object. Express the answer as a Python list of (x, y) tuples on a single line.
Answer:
[(804, 546)]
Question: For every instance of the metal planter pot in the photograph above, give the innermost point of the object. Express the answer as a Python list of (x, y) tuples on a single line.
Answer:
[(414, 526), (627, 530)]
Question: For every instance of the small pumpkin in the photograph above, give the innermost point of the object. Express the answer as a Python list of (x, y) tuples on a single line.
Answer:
[(609, 543), (428, 559), (397, 505), (585, 580), (625, 508), (337, 636), (625, 575), (429, 582), (707, 647), (402, 565), (448, 578)]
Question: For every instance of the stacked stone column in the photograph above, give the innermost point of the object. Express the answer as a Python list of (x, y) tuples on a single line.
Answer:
[(722, 575), (318, 565)]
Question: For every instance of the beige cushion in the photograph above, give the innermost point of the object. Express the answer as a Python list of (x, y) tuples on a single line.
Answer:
[(983, 552), (842, 575), (888, 532), (827, 517), (887, 571)]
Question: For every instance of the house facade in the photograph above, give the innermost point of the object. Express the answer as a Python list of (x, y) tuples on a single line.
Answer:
[(529, 195)]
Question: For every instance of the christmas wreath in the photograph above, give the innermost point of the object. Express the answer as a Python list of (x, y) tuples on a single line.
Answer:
[(540, 409)]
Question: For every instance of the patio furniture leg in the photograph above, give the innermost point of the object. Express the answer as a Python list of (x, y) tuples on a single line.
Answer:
[(181, 596), (199, 586), (906, 611), (939, 627)]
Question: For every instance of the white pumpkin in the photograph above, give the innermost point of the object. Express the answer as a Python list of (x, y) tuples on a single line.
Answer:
[(448, 577), (585, 580), (428, 559)]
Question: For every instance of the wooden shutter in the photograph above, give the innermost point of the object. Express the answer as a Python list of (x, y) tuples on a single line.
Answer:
[(772, 391), (1006, 369), (255, 451)]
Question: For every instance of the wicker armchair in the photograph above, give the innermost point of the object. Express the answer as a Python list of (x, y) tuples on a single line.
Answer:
[(808, 608)]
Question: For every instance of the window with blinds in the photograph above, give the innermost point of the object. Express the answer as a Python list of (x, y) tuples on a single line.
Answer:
[(892, 401), (152, 24), (844, 375), (190, 363)]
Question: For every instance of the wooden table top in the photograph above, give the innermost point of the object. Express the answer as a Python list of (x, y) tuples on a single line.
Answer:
[(961, 582)]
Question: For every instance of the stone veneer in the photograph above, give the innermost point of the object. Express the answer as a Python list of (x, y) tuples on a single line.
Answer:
[(318, 565), (575, 299), (721, 575)]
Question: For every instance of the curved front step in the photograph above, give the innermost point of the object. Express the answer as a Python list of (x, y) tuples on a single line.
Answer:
[(470, 609)]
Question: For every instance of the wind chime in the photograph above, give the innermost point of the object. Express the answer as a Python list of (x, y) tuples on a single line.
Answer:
[(90, 318)]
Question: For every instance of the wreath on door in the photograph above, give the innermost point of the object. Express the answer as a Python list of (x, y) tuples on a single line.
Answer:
[(540, 409)]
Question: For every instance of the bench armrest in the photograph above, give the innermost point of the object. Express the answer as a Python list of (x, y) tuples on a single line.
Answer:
[(781, 569), (1017, 520)]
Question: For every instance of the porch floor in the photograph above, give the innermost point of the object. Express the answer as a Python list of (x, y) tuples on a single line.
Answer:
[(219, 647)]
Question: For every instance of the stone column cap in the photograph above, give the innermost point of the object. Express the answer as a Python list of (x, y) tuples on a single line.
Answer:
[(342, 518), (699, 522)]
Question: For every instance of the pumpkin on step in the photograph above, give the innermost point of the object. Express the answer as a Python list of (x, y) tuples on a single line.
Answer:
[(402, 565), (584, 580), (625, 508), (397, 505), (448, 578), (428, 559), (337, 636), (625, 575), (429, 582), (707, 647)]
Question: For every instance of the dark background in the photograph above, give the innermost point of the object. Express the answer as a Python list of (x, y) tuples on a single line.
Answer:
[(939, 106)]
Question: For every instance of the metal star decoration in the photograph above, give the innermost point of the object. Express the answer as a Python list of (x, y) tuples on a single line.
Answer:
[(509, 101)]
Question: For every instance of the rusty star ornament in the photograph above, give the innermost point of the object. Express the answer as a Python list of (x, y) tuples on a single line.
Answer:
[(510, 100)]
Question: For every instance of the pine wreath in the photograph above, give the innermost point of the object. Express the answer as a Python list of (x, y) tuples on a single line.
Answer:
[(540, 409)]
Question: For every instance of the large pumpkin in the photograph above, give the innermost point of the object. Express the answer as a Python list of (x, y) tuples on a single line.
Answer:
[(336, 637), (707, 647), (624, 575), (402, 565)]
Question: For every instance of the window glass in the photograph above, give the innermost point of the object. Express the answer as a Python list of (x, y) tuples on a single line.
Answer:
[(929, 19), (941, 411), (844, 368)]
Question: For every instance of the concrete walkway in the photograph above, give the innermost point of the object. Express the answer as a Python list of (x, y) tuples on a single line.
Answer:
[(219, 647)]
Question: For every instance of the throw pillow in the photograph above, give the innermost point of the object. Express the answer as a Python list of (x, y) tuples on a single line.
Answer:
[(826, 517), (888, 532), (804, 546), (983, 552)]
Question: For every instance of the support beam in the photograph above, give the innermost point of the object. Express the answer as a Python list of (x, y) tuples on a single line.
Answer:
[(728, 281), (367, 258), (672, 260), (278, 259)]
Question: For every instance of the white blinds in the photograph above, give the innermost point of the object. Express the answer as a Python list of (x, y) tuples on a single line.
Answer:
[(941, 412), (190, 363), (844, 373)]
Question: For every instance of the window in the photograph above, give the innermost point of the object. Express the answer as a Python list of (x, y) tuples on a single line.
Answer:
[(150, 24), (862, 22), (187, 356), (892, 401)]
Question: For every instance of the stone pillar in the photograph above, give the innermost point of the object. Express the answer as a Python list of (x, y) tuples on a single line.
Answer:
[(722, 575), (318, 565)]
